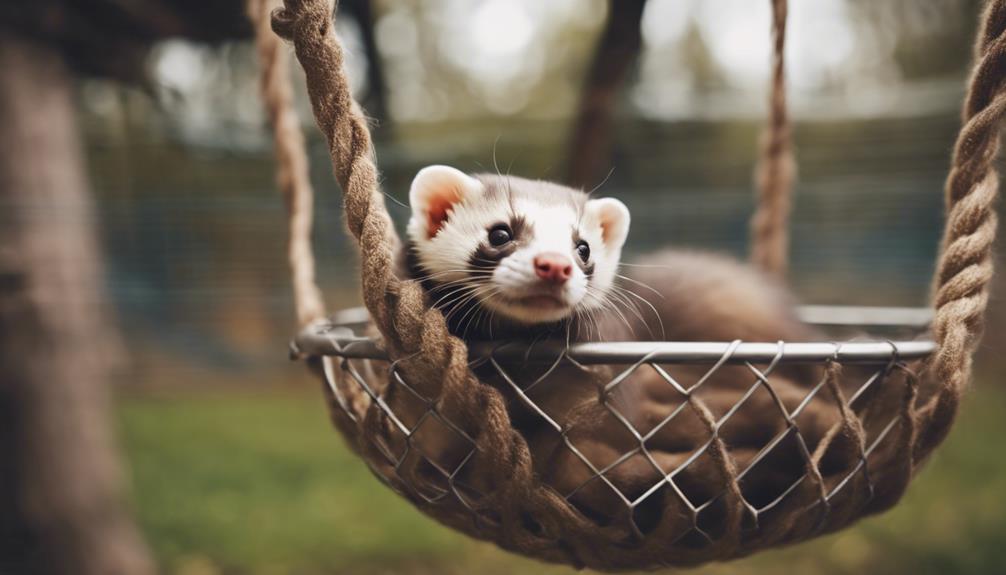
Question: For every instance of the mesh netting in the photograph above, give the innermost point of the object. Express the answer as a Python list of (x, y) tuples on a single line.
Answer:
[(670, 455)]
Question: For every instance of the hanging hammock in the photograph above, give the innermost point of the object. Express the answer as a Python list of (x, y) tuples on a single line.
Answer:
[(405, 394)]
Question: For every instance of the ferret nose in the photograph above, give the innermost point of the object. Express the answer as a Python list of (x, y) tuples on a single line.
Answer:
[(553, 267)]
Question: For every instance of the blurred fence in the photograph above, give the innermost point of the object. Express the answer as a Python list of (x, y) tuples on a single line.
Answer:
[(194, 233)]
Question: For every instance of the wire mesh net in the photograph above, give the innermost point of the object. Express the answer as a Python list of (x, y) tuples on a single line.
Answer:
[(680, 450)]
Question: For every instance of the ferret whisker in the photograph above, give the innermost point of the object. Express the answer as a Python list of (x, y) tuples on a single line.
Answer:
[(442, 285), (474, 308), (651, 266), (623, 298), (394, 199), (468, 274), (458, 305), (483, 314), (640, 284), (443, 294), (618, 300), (495, 164), (461, 281), (609, 305), (492, 316), (656, 314), (604, 181), (448, 272), (453, 292), (617, 297), (464, 300), (590, 319), (463, 328), (594, 317), (579, 319), (460, 302), (478, 308)]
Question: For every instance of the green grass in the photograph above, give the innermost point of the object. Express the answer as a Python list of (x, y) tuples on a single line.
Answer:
[(259, 483)]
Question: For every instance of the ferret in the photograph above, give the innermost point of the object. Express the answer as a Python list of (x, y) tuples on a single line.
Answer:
[(506, 257), (509, 258)]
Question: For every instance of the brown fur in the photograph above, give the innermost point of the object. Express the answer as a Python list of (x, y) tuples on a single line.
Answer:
[(700, 297), (696, 297), (673, 295)]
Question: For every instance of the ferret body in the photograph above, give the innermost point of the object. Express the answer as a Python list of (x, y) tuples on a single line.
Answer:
[(510, 258)]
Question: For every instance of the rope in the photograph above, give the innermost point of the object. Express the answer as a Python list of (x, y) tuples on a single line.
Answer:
[(776, 166), (292, 175), (396, 306), (309, 24), (964, 268), (431, 359)]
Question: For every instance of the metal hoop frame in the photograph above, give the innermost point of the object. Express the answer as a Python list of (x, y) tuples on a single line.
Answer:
[(339, 337)]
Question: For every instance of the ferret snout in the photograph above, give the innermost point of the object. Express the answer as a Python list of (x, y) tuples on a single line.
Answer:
[(553, 267)]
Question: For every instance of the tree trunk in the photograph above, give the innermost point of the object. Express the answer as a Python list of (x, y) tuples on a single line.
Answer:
[(589, 149), (61, 485)]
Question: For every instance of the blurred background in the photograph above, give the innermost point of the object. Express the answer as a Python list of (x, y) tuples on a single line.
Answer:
[(137, 177)]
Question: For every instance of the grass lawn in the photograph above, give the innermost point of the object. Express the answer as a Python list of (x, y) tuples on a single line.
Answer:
[(258, 483)]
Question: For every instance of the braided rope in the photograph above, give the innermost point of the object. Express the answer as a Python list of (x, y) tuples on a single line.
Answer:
[(415, 334), (776, 168), (292, 174), (964, 268), (309, 25)]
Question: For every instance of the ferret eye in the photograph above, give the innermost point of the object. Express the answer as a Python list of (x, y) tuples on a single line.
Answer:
[(583, 250), (499, 235)]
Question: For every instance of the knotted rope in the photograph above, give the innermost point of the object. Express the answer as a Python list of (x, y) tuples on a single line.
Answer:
[(292, 174), (776, 166)]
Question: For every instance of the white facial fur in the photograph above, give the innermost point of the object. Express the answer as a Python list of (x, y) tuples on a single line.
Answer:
[(453, 213)]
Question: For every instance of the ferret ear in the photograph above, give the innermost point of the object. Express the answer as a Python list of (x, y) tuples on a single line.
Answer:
[(435, 190), (613, 217)]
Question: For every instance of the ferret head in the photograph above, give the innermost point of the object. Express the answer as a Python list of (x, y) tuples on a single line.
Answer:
[(530, 252)]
